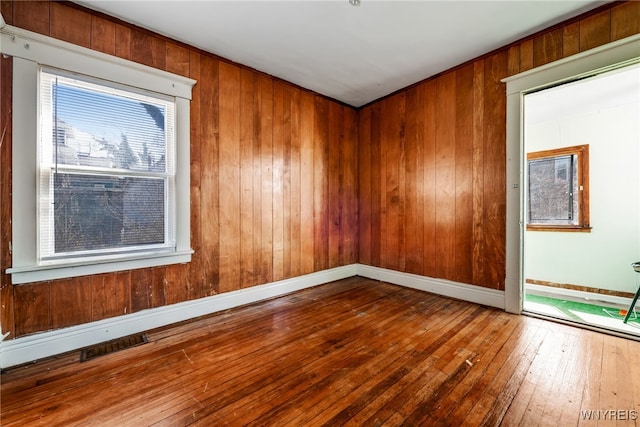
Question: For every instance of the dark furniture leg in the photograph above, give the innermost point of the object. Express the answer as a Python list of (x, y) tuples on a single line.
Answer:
[(636, 268)]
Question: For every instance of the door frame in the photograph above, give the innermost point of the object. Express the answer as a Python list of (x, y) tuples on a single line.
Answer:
[(585, 64)]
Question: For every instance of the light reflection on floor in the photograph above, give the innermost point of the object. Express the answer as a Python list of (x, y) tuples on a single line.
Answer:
[(606, 321)]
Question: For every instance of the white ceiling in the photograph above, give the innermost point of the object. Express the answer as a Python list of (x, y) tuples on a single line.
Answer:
[(352, 54)]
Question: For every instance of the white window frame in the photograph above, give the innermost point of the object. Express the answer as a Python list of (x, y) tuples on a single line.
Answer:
[(30, 51)]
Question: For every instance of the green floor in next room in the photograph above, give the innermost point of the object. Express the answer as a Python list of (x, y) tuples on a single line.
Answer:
[(599, 314)]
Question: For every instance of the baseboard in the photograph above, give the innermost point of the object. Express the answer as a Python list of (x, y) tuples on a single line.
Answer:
[(33, 347), (573, 294), (475, 294)]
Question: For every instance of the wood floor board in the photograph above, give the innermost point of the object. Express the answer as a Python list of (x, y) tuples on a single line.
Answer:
[(351, 352)]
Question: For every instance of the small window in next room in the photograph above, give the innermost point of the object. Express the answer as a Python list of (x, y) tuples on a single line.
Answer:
[(558, 189)]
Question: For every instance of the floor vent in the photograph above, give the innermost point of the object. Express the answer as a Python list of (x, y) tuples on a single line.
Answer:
[(112, 346)]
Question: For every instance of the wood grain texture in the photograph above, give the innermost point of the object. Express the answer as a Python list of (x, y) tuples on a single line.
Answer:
[(196, 269), (595, 30), (571, 39), (255, 187), (415, 182), (6, 8), (307, 176), (432, 185), (70, 25), (229, 172), (625, 20), (32, 15), (71, 297), (353, 352), (364, 187), (548, 47), (103, 35)]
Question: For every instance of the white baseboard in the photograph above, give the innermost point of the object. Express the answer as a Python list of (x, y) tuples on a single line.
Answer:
[(33, 347), (476, 294), (576, 295)]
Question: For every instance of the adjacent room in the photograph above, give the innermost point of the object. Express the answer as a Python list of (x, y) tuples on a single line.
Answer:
[(349, 212), (582, 231)]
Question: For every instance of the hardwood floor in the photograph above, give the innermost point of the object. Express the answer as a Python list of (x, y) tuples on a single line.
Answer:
[(355, 352)]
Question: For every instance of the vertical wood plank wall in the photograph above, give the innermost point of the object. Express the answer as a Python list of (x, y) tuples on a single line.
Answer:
[(432, 157), (285, 182), (273, 181)]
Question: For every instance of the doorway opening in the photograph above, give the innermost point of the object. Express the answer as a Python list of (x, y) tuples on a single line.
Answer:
[(581, 201)]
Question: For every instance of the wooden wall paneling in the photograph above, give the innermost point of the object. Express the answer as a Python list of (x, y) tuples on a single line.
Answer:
[(278, 181), (625, 20), (595, 30), (209, 200), (429, 90), (321, 184), (349, 186), (526, 55), (382, 183), (32, 308), (295, 176), (286, 181), (494, 165), (159, 286), (196, 273), (103, 296), (229, 172), (364, 186), (547, 47), (376, 182), (7, 296), (176, 283), (123, 41), (392, 144), (334, 176), (420, 127), (148, 50), (246, 91), (177, 59), (103, 35), (414, 180), (445, 175), (70, 302), (513, 66), (477, 252), (464, 174), (307, 176), (401, 125), (33, 16), (259, 274), (266, 182), (571, 39), (70, 24), (141, 289), (6, 9)]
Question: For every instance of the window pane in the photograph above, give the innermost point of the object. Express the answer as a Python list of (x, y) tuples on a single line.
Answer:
[(103, 212), (100, 127), (552, 186)]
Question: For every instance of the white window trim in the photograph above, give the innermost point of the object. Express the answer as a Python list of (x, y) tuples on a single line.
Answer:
[(30, 51)]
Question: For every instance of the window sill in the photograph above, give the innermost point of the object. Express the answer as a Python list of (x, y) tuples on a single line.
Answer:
[(29, 274)]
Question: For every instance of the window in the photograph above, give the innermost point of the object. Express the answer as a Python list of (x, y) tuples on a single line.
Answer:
[(106, 169), (100, 161), (558, 189)]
